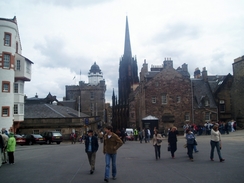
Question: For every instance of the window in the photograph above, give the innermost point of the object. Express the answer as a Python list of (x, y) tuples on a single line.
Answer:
[(132, 115), (21, 88), (206, 102), (21, 108), (18, 65), (207, 116), (156, 84), (221, 106), (15, 108), (178, 99), (164, 98), (5, 86), (5, 111), (7, 39), (6, 61), (28, 67), (16, 88), (36, 132), (153, 100), (92, 95), (187, 116)]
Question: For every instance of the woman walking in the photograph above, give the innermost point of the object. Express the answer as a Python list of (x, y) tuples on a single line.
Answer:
[(215, 142), (190, 139), (172, 140), (157, 142)]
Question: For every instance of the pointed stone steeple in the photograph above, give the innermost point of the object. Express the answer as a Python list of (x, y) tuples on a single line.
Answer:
[(127, 49)]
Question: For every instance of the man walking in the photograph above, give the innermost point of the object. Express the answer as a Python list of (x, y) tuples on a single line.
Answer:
[(110, 146), (91, 147)]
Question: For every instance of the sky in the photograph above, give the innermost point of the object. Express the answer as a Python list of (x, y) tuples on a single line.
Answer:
[(64, 38)]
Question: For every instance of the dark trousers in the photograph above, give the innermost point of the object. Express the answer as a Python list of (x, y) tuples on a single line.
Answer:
[(190, 150), (173, 148), (11, 157), (157, 151), (91, 158)]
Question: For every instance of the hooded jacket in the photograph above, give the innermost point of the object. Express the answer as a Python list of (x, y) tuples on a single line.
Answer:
[(11, 143)]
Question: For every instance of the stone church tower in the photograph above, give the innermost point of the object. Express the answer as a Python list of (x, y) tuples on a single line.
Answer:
[(128, 76)]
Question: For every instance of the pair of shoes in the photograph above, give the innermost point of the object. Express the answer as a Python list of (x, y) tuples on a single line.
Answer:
[(196, 151), (106, 180), (212, 159), (221, 160), (114, 178), (91, 171)]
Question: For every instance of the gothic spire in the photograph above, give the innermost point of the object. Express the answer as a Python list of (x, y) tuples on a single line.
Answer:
[(127, 49)]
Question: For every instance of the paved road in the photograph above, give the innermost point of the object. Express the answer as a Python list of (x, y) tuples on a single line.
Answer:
[(67, 163)]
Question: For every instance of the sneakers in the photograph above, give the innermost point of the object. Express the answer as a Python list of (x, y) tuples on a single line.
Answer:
[(212, 159), (114, 178), (106, 180), (91, 171)]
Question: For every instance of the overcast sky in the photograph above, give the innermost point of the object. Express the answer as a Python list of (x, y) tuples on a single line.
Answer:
[(64, 37)]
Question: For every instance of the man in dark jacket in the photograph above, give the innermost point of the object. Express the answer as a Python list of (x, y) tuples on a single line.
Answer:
[(91, 147)]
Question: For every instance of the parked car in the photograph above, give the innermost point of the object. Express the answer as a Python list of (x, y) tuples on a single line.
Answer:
[(34, 139), (53, 136), (20, 140)]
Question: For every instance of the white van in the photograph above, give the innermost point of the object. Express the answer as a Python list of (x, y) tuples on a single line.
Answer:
[(129, 132)]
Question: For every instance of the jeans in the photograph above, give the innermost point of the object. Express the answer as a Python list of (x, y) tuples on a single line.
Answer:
[(213, 145), (107, 168)]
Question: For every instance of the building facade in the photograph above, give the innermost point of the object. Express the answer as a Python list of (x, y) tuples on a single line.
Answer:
[(88, 98), (15, 70), (160, 95), (238, 91)]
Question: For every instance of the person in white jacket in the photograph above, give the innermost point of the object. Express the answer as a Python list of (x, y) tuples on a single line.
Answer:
[(215, 142)]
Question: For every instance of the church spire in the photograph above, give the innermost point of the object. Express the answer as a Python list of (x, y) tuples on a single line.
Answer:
[(127, 49)]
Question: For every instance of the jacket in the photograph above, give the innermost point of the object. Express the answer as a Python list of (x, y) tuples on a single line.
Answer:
[(94, 144), (112, 144), (172, 137), (190, 138), (11, 144), (215, 136), (156, 138)]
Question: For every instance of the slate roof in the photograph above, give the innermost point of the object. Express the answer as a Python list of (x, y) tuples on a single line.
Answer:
[(50, 111), (202, 90)]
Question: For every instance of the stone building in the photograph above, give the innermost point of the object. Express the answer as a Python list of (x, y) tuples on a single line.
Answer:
[(163, 92), (128, 76), (15, 70), (88, 98), (237, 92)]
